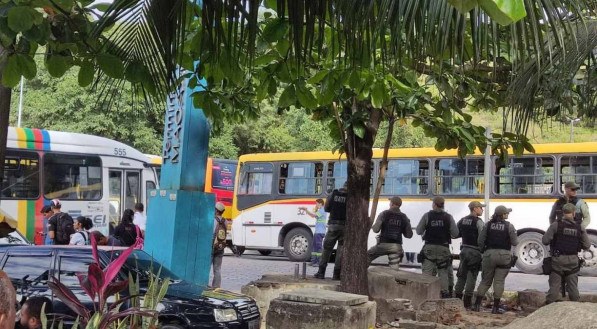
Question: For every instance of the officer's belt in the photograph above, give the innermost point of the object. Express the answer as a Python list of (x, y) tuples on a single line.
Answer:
[(336, 222)]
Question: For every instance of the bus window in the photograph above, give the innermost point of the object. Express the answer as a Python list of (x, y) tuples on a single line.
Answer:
[(72, 177), (337, 175), (406, 177), (256, 179), (459, 176), (580, 169), (525, 175), (300, 178), (21, 175)]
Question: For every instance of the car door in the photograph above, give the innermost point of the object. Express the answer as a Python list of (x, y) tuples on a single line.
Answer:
[(29, 271), (68, 264)]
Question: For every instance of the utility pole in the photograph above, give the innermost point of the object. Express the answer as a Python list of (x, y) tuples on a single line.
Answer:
[(572, 121)]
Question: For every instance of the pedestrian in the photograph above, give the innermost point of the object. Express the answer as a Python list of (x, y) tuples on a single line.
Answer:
[(320, 226), (219, 244), (31, 312), (8, 300), (46, 212), (82, 226), (566, 238), (126, 231), (437, 228), (335, 205), (469, 228), (139, 218), (101, 239), (581, 213), (495, 240), (60, 225), (391, 225)]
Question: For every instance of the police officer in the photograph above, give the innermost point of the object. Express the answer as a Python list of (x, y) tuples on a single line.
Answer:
[(496, 239), (393, 224), (566, 238), (438, 228), (581, 213), (336, 206), (470, 256)]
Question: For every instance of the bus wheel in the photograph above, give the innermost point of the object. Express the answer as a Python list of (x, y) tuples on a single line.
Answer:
[(265, 252), (590, 258), (530, 251), (297, 244)]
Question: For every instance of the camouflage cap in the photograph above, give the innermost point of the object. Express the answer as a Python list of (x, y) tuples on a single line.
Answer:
[(572, 185), (475, 204), (569, 208), (500, 210)]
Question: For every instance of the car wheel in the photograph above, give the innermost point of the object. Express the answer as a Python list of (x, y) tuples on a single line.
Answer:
[(530, 251), (265, 252), (297, 244)]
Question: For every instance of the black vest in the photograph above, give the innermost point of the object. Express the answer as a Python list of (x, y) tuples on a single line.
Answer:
[(468, 230), (560, 213), (498, 235), (437, 231), (391, 227), (566, 241), (338, 206)]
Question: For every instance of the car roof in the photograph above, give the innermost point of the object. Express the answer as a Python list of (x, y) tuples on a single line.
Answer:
[(65, 247)]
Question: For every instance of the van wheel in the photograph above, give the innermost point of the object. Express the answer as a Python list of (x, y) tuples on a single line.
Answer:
[(530, 251), (297, 244), (265, 252)]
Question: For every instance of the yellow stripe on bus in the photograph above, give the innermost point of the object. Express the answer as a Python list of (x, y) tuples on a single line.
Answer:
[(22, 216), (21, 138)]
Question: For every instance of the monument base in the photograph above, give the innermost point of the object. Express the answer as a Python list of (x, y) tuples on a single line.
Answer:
[(180, 233)]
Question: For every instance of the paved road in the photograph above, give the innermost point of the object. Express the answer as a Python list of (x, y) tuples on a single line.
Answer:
[(238, 271)]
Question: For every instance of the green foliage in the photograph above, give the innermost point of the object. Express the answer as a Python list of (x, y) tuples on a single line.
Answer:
[(61, 104)]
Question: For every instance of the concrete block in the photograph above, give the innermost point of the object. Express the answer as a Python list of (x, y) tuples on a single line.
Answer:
[(270, 287), (388, 283), (409, 324), (389, 310), (531, 299), (283, 314), (324, 297), (445, 311)]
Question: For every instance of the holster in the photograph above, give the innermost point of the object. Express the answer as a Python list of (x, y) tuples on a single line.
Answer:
[(421, 257), (513, 261), (546, 267)]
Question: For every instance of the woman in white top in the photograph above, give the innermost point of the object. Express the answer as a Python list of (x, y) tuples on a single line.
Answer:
[(82, 226)]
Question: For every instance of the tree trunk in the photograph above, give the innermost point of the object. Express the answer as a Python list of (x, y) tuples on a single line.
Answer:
[(359, 153), (5, 95)]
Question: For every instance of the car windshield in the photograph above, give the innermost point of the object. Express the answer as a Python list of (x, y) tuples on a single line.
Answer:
[(142, 265)]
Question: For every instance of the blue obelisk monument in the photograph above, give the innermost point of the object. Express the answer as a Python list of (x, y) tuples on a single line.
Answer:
[(180, 215)]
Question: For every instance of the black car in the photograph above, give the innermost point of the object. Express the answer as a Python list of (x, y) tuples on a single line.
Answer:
[(185, 305)]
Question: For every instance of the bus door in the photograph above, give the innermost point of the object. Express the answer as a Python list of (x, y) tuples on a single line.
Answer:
[(125, 191), (255, 191)]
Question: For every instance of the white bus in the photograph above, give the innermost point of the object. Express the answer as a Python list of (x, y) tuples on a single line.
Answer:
[(271, 187), (92, 176)]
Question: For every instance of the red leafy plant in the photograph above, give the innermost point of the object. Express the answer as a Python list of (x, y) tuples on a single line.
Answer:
[(99, 286)]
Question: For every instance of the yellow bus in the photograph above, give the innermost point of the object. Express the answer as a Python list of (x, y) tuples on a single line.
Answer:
[(271, 187)]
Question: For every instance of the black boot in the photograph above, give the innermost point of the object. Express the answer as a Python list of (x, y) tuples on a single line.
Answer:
[(320, 273), (458, 295), (451, 292), (467, 300), (336, 275), (477, 306), (445, 294), (496, 307)]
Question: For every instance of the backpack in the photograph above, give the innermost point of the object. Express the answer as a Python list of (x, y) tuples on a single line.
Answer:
[(64, 228), (220, 236), (139, 240), (86, 237)]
